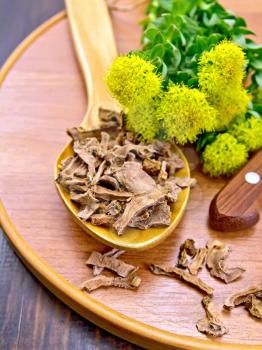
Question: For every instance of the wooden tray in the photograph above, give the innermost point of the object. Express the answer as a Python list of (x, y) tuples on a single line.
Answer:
[(42, 95)]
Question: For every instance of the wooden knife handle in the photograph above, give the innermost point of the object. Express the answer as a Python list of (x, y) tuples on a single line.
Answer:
[(233, 208)]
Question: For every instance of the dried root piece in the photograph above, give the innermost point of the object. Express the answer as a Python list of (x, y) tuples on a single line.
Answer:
[(185, 276), (151, 166), (242, 296), (112, 177), (130, 282), (187, 251), (190, 257), (198, 261), (101, 219), (211, 324), (217, 254), (115, 253), (110, 263), (254, 304), (185, 182), (110, 119), (163, 174), (251, 297)]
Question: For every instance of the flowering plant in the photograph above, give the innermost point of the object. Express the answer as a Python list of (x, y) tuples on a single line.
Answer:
[(188, 83)]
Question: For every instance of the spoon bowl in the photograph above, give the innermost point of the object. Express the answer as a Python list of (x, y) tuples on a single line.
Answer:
[(132, 239), (95, 46)]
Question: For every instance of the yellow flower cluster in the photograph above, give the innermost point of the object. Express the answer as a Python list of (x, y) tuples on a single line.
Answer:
[(248, 132), (132, 80), (220, 76), (182, 113), (141, 119), (185, 113), (224, 156)]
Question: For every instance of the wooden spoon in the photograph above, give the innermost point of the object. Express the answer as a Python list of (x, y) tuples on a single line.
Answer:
[(94, 42), (234, 207)]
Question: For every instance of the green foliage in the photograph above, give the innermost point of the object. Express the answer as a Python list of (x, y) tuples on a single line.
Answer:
[(256, 108), (176, 32), (184, 113), (204, 140), (224, 156), (132, 80), (248, 132), (220, 75)]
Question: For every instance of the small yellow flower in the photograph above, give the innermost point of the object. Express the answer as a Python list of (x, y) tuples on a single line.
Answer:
[(224, 156)]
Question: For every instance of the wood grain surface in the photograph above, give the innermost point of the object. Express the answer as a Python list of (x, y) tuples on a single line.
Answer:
[(41, 97), (30, 316)]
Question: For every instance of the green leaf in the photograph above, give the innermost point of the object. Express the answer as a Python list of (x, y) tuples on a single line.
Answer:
[(165, 20), (252, 87), (214, 39), (181, 7), (251, 45), (256, 64), (182, 76), (240, 22), (256, 111), (204, 5), (204, 140), (150, 33), (166, 5), (158, 51), (258, 79), (159, 38), (230, 22), (193, 82), (239, 31), (212, 21), (157, 61), (201, 44), (176, 59), (239, 39), (191, 50), (161, 134), (164, 70), (183, 39)]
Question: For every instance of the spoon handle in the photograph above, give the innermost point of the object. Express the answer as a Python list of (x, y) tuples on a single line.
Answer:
[(95, 46), (233, 208)]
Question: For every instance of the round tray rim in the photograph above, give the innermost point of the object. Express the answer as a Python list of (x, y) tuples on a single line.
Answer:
[(87, 306)]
